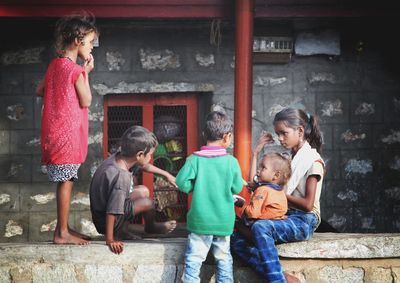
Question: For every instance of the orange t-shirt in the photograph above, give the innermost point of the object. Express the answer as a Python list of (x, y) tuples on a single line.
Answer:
[(266, 203)]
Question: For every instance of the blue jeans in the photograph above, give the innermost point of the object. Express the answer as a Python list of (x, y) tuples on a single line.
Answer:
[(196, 252), (263, 256)]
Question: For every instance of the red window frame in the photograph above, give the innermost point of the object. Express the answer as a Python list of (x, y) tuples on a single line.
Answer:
[(148, 102)]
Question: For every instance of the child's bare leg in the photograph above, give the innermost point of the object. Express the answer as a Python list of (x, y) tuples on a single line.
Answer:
[(291, 278), (62, 234), (151, 226), (143, 204), (140, 191), (125, 234)]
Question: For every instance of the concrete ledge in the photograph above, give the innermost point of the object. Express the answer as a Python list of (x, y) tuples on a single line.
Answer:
[(334, 245), (325, 258)]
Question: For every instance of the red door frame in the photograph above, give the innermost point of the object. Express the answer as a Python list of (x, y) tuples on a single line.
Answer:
[(148, 101)]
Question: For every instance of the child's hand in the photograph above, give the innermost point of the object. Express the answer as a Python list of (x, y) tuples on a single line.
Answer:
[(172, 180), (264, 139), (40, 88), (238, 200), (89, 64), (251, 186), (115, 246)]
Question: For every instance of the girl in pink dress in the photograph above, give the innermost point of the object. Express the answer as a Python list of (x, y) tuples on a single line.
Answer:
[(66, 98)]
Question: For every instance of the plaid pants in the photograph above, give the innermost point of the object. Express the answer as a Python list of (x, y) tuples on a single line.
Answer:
[(263, 256)]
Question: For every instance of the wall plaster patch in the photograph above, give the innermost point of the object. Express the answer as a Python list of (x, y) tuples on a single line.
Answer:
[(393, 137), (4, 198), (49, 227), (81, 198), (205, 60), (359, 166), (332, 108), (44, 198), (365, 109), (13, 229), (153, 87), (348, 136)]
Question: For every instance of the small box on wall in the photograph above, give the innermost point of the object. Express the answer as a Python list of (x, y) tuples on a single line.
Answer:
[(272, 49)]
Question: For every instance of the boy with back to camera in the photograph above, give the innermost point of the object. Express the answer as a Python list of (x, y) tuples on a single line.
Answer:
[(268, 199), (114, 200), (212, 176)]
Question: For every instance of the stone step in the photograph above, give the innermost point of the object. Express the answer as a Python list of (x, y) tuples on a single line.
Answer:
[(328, 257)]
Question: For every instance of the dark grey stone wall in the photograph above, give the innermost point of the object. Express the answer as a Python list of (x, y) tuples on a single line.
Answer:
[(355, 95)]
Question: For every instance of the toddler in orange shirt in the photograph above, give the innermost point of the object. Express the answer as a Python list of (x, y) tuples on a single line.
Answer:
[(268, 201)]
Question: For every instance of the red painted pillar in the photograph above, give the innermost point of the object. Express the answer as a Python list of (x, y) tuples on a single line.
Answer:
[(243, 85)]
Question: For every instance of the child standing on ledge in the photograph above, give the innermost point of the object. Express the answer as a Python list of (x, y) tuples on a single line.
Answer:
[(64, 131), (212, 176)]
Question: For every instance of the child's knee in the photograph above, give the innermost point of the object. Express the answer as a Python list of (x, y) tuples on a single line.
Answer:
[(140, 191), (143, 189), (143, 204)]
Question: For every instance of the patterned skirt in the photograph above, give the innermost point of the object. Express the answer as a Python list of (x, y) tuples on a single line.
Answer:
[(62, 172)]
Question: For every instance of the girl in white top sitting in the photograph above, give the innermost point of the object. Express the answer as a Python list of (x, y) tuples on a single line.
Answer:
[(298, 132)]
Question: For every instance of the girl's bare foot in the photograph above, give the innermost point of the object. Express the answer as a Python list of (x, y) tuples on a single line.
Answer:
[(161, 227), (290, 278), (67, 239), (79, 235)]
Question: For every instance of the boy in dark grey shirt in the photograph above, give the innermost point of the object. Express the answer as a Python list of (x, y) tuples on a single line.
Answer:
[(114, 200)]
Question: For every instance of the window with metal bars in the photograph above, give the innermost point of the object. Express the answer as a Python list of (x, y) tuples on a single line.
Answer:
[(120, 118), (170, 129), (169, 118)]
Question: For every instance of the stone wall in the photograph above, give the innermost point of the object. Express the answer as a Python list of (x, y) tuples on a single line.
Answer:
[(355, 95), (326, 258)]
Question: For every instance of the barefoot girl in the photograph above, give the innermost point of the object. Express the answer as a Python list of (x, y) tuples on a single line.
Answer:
[(66, 98)]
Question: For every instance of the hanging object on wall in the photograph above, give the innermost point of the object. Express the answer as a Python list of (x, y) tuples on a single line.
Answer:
[(272, 49), (215, 32)]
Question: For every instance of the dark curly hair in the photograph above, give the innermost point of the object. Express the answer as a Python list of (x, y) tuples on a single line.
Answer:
[(72, 27)]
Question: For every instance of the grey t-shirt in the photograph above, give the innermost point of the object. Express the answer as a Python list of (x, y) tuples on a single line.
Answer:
[(109, 189)]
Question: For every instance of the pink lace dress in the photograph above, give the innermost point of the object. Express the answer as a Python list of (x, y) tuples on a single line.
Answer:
[(64, 131)]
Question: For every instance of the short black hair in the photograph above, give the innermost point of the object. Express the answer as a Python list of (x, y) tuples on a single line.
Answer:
[(279, 162), (135, 139), (217, 125)]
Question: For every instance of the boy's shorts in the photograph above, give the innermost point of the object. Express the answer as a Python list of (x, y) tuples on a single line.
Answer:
[(128, 216)]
